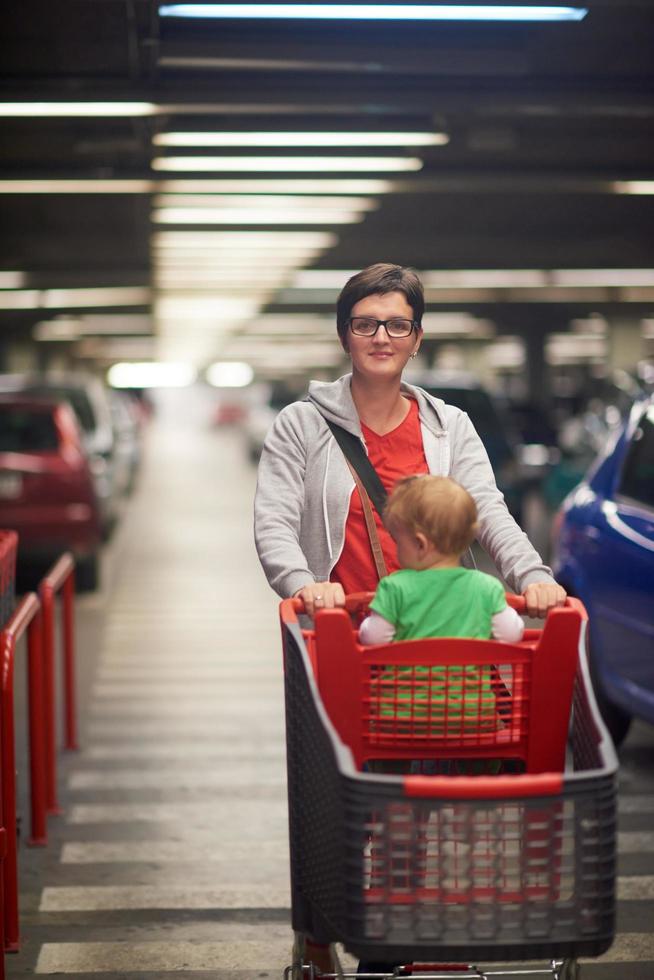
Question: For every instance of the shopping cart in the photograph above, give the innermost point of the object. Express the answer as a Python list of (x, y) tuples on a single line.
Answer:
[(403, 855)]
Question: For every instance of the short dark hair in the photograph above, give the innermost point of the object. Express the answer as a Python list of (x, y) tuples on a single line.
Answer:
[(382, 277)]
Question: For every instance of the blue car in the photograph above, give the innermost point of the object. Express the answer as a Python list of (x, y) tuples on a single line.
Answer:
[(605, 556)]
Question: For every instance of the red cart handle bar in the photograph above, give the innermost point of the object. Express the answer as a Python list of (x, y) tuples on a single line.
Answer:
[(357, 600), (483, 787)]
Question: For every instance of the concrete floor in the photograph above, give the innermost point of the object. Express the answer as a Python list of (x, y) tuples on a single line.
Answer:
[(171, 854)]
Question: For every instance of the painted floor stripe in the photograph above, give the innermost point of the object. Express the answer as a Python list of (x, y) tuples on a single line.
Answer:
[(269, 956), (190, 708), (636, 804), (130, 958), (636, 842), (207, 728), (200, 693), (111, 897), (635, 888), (246, 812), (240, 857), (110, 683), (256, 774), (173, 750)]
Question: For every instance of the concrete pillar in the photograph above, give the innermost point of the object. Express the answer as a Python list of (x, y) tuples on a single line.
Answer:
[(536, 367), (626, 345)]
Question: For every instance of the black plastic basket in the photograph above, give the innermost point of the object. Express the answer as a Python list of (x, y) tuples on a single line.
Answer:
[(456, 868)]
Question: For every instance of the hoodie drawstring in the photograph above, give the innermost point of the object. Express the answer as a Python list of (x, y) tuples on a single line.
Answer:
[(324, 501)]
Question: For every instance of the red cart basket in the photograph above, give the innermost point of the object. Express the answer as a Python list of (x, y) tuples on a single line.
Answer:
[(449, 799)]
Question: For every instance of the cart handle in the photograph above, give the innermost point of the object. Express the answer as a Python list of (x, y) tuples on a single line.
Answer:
[(358, 600), (483, 787), (353, 602)]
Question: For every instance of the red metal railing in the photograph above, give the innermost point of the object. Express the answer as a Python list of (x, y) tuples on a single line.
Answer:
[(26, 618), (61, 579)]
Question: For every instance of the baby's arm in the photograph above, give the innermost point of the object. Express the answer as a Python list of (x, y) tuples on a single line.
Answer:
[(507, 626), (375, 629)]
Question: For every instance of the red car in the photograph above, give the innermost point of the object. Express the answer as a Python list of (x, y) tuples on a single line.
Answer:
[(47, 493)]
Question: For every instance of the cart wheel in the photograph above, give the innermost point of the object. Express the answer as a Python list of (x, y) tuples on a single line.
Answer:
[(570, 970)]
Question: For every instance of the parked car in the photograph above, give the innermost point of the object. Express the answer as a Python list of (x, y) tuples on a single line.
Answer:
[(126, 423), (495, 430), (604, 554), (90, 402), (262, 414), (47, 492)]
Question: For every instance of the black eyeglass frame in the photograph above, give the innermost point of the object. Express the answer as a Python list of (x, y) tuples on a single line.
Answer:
[(415, 324)]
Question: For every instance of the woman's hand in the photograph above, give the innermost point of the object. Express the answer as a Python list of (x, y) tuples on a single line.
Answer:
[(541, 596), (321, 595)]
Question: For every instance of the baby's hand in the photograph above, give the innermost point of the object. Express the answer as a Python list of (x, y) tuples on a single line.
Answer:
[(321, 595)]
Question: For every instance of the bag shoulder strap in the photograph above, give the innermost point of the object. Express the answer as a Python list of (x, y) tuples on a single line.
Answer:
[(371, 527), (358, 461)]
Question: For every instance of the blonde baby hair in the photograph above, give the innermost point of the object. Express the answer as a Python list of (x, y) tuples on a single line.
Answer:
[(437, 506)]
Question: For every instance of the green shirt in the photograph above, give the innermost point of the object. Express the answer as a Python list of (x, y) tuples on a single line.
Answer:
[(458, 602), (439, 602)]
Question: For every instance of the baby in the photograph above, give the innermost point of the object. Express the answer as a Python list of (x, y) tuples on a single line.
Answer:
[(433, 522)]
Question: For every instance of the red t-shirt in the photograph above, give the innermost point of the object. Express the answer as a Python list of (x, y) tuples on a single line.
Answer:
[(398, 453)]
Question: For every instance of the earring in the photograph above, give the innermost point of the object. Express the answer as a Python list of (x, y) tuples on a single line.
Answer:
[(415, 353)]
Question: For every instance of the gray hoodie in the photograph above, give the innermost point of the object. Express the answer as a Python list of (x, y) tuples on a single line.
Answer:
[(304, 488)]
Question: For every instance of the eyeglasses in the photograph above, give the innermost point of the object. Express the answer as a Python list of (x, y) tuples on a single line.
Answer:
[(367, 326)]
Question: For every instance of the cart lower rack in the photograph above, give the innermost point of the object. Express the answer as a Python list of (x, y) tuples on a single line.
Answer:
[(404, 862)]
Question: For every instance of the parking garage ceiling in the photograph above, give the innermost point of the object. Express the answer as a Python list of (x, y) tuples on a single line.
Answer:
[(512, 163)]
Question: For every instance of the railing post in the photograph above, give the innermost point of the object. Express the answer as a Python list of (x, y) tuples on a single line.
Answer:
[(26, 617), (70, 697), (10, 865), (38, 741), (46, 594)]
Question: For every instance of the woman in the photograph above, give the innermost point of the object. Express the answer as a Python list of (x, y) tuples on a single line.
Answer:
[(309, 526)]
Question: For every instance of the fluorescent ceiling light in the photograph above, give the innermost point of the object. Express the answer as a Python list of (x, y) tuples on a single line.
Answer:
[(300, 139), (50, 299), (76, 186), (603, 277), (20, 299), (494, 278), (229, 374), (151, 374), (12, 280), (293, 325), (301, 185), (359, 11), (104, 296), (299, 164), (245, 239), (633, 186), (260, 201), (32, 109), (97, 325), (244, 216)]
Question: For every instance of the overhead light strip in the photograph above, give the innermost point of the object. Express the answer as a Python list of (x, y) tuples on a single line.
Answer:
[(33, 109), (359, 11), (287, 139), (247, 216), (280, 164)]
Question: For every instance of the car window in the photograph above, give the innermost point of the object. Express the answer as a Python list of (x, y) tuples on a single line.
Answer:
[(483, 414), (24, 431), (637, 479), (80, 402)]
